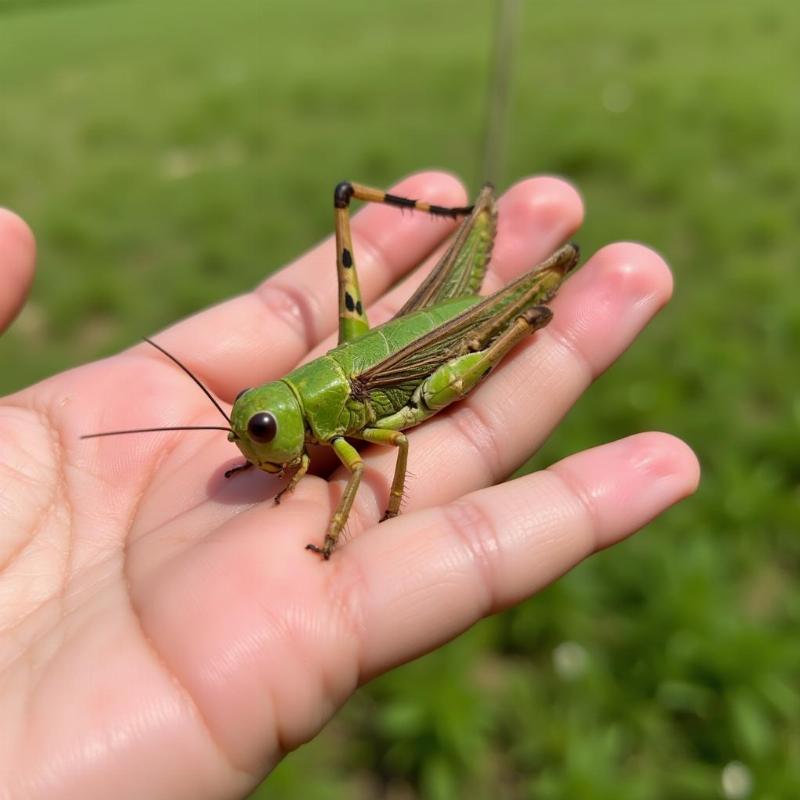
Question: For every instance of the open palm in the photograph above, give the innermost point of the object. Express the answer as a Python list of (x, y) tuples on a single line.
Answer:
[(163, 631)]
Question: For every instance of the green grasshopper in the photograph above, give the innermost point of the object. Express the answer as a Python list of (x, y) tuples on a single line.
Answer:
[(379, 382)]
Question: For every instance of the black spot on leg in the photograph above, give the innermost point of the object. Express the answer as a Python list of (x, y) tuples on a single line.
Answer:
[(349, 303), (359, 308), (347, 258)]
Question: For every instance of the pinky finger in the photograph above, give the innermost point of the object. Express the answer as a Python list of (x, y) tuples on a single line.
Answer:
[(428, 576), (17, 251)]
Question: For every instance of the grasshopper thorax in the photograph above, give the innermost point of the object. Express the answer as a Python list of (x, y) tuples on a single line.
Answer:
[(267, 426)]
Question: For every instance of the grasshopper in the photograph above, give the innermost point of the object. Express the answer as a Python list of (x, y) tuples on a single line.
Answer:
[(379, 382)]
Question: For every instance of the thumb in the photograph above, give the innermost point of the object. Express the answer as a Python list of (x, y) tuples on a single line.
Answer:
[(17, 255)]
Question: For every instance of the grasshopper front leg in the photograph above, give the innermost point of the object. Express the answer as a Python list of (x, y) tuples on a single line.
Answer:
[(297, 476), (400, 441), (229, 473), (352, 317)]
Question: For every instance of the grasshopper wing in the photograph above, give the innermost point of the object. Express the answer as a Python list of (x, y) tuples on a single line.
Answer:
[(461, 269), (471, 330)]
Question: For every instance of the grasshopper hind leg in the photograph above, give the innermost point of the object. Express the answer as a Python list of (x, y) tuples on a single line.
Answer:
[(456, 378), (352, 316), (452, 381)]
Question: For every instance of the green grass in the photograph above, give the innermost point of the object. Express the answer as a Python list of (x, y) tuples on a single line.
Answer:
[(168, 154)]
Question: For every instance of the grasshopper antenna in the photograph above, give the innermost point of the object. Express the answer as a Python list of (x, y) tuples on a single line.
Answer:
[(192, 376), (174, 427), (153, 430)]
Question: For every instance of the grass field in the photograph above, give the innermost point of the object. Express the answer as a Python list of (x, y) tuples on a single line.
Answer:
[(169, 154)]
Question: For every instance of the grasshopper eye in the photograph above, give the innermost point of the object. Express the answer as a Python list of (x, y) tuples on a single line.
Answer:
[(262, 427), (241, 393)]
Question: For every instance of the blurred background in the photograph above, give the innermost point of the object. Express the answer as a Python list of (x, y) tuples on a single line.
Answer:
[(171, 153)]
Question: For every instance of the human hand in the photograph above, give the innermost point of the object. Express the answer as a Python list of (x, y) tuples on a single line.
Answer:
[(163, 631)]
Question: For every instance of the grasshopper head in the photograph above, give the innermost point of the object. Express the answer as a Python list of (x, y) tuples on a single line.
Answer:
[(267, 426)]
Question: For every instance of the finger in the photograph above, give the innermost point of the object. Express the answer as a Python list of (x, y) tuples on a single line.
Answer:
[(17, 255), (599, 312), (426, 577), (261, 335)]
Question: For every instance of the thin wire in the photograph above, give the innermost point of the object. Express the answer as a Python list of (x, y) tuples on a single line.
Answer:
[(507, 20)]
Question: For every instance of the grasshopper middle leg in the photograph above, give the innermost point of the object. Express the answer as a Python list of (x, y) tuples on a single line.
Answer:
[(400, 441), (349, 456)]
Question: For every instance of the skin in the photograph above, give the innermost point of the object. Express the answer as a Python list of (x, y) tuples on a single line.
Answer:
[(163, 632)]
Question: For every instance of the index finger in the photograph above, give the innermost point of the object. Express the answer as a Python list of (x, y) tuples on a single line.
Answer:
[(261, 335)]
